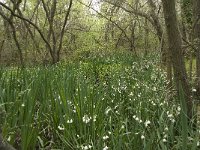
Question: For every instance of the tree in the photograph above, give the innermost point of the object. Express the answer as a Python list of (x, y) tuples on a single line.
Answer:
[(9, 19), (196, 38), (54, 46), (175, 47)]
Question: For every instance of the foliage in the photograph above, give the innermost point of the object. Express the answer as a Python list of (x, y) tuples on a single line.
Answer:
[(106, 100)]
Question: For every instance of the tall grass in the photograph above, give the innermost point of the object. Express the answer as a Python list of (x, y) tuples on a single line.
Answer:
[(102, 102)]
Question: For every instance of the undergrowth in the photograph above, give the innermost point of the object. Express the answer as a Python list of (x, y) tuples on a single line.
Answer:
[(114, 102)]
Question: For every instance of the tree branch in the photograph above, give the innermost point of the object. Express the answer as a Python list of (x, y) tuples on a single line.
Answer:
[(31, 23)]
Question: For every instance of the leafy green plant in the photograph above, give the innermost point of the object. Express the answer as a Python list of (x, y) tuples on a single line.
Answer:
[(105, 101)]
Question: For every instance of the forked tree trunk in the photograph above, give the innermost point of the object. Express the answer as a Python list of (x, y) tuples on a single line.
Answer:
[(175, 42)]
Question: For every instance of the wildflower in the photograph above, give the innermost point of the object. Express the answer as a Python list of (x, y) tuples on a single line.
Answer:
[(170, 115), (116, 107), (23, 105), (9, 138), (86, 147), (137, 119), (164, 140), (86, 119), (137, 133), (166, 129), (131, 94), (94, 118), (179, 108), (117, 112), (61, 127), (198, 143), (89, 146), (70, 121), (147, 122), (154, 89), (105, 137), (194, 90), (108, 109), (154, 104), (142, 137), (139, 95), (105, 148), (122, 127)]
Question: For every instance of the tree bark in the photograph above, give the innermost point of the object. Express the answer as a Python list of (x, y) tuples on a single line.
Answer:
[(175, 42), (196, 34), (14, 34)]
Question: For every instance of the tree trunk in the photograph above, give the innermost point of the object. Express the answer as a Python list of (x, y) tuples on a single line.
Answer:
[(159, 30), (196, 34), (146, 38), (175, 42)]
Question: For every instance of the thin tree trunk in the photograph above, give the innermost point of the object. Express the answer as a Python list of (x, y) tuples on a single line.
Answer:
[(10, 21), (146, 38), (1, 47), (196, 34), (175, 42)]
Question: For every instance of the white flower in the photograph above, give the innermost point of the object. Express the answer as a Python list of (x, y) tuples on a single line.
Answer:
[(94, 118), (154, 104), (105, 148), (179, 108), (23, 105), (194, 90), (142, 137), (137, 133), (86, 119), (137, 119), (9, 138), (170, 115), (166, 129), (70, 121), (164, 140), (61, 127), (131, 94), (108, 109), (89, 146), (198, 143), (154, 89), (105, 137), (86, 147), (147, 122), (117, 112)]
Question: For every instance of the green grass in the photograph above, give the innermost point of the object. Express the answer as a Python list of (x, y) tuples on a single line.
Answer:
[(116, 101)]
